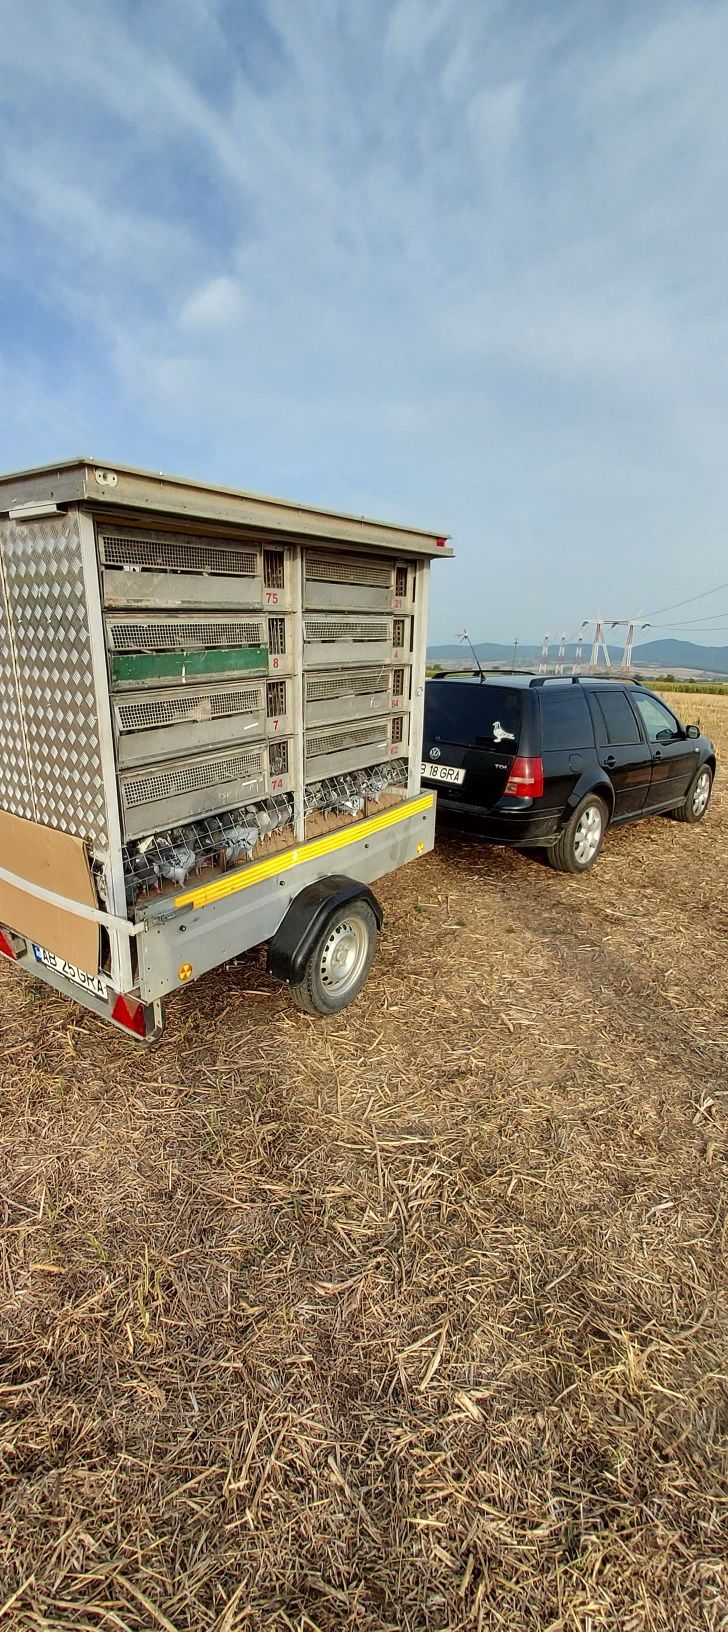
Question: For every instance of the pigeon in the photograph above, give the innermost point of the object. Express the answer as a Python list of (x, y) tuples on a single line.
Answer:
[(176, 863)]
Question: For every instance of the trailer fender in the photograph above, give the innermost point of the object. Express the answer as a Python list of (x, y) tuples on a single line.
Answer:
[(294, 938)]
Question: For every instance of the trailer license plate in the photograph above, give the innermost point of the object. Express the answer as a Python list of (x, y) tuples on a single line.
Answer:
[(90, 983), (442, 773)]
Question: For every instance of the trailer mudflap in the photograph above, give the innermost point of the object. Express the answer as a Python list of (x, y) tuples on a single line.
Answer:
[(293, 941)]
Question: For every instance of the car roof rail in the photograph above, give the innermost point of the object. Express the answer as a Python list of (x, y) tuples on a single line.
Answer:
[(541, 679), (566, 679), (619, 679), (444, 674), (577, 679)]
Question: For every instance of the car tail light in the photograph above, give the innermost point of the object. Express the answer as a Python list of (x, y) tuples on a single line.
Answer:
[(7, 950), (526, 779), (131, 1015)]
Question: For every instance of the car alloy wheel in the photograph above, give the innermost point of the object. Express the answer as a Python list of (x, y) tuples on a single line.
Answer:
[(588, 835), (701, 793)]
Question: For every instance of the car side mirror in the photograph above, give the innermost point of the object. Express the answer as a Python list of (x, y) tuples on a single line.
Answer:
[(692, 731)]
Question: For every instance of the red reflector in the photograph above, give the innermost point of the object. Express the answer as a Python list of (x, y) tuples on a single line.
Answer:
[(441, 542), (131, 1015), (5, 947), (526, 779)]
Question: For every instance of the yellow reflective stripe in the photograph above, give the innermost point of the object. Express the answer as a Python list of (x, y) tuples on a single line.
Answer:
[(303, 852)]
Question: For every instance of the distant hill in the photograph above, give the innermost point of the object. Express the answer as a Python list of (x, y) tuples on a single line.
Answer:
[(665, 655), (682, 654), (487, 651)]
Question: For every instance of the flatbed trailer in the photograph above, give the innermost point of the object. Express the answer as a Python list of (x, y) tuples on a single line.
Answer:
[(211, 710)]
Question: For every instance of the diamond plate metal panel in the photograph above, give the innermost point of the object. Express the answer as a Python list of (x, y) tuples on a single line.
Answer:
[(47, 604), (15, 789)]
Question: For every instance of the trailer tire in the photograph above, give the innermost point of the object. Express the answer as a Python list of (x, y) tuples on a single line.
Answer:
[(339, 961)]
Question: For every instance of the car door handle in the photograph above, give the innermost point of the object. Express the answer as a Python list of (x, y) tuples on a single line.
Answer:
[(657, 756), (610, 761)]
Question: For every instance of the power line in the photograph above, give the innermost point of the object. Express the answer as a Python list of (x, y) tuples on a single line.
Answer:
[(701, 597), (693, 623)]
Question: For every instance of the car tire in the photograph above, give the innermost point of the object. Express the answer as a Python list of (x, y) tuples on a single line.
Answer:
[(697, 798), (340, 961), (581, 840)]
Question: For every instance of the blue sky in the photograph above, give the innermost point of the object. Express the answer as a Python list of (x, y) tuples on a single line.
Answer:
[(455, 263)]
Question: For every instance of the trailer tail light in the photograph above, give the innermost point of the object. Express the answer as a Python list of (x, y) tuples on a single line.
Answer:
[(6, 949), (526, 779), (131, 1015)]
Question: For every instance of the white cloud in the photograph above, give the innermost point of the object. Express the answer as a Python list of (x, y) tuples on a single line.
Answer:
[(461, 243), (95, 226), (217, 304), (495, 116)]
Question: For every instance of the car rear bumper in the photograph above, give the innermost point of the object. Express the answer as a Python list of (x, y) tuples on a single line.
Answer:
[(517, 826)]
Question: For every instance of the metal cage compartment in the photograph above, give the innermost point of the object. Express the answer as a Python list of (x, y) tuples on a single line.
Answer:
[(355, 694), (177, 570), (356, 583), (279, 718), (153, 649), (334, 640), (154, 725), (156, 797), (348, 583), (404, 587), (355, 746)]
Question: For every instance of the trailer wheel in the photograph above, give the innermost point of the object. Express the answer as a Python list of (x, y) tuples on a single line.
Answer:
[(339, 962)]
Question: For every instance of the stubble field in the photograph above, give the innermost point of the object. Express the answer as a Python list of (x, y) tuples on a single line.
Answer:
[(415, 1318)]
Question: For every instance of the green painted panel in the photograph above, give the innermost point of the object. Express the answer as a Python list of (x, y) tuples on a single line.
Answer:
[(140, 666)]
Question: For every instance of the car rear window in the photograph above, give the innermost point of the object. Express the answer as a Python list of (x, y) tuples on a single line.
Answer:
[(618, 724), (565, 718), (480, 715)]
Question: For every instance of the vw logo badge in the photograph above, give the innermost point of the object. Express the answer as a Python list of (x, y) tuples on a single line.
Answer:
[(434, 753)]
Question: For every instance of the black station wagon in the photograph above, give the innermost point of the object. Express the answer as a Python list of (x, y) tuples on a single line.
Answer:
[(552, 761)]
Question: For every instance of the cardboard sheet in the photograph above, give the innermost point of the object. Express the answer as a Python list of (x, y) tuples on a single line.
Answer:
[(59, 862)]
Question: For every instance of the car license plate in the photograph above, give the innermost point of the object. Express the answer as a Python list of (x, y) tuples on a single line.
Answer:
[(90, 983), (442, 773)]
